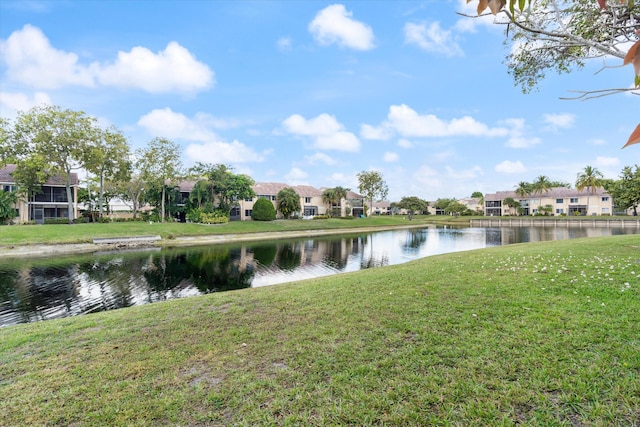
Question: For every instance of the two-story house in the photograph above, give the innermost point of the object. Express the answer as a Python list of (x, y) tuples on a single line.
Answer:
[(561, 200), (49, 203)]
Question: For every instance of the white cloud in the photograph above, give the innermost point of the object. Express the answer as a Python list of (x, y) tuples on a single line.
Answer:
[(12, 102), (408, 123), (296, 176), (174, 69), (390, 157), (517, 139), (375, 133), (405, 143), (31, 60), (222, 152), (320, 158), (326, 132), (471, 173), (557, 121), (597, 141), (431, 38), (510, 167), (426, 177), (334, 24), (607, 161), (284, 44), (164, 122), (169, 124)]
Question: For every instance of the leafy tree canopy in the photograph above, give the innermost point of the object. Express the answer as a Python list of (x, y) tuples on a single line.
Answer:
[(288, 201), (372, 186)]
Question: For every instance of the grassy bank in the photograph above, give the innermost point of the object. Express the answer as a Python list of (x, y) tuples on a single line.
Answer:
[(84, 233), (540, 334)]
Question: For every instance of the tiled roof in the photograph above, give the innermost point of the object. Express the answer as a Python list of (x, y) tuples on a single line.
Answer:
[(5, 176), (554, 193), (269, 188)]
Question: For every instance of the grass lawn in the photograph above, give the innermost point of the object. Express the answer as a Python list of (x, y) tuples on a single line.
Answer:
[(85, 233), (536, 334)]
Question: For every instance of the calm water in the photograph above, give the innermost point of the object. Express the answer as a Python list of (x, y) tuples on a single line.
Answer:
[(49, 288)]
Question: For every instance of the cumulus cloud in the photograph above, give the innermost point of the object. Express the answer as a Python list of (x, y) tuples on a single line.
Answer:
[(209, 149), (517, 138), (320, 158), (164, 122), (408, 123), (557, 121), (325, 131), (427, 177), (334, 24), (510, 167), (173, 69), (30, 59), (467, 174), (12, 102), (296, 176), (390, 157), (222, 152), (431, 37), (374, 133), (405, 143)]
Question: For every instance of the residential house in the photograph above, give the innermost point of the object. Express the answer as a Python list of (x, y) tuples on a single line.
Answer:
[(49, 203), (563, 201), (311, 202)]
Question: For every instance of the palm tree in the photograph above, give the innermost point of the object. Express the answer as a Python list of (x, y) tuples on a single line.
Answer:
[(541, 185), (329, 197), (590, 178), (523, 190)]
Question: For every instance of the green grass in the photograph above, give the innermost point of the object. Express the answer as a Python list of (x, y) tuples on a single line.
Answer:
[(85, 233), (537, 334)]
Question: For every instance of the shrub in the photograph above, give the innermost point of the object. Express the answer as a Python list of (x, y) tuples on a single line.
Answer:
[(56, 221), (263, 210), (321, 217)]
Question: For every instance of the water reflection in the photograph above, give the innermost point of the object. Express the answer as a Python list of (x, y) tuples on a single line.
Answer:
[(43, 289)]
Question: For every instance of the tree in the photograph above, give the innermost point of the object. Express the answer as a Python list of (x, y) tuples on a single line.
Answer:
[(511, 203), (226, 186), (591, 178), (62, 137), (108, 159), (413, 205), (626, 190), (563, 35), (542, 184), (159, 163), (372, 186), (200, 194), (7, 206), (333, 196), (523, 189), (131, 191), (263, 210), (288, 201)]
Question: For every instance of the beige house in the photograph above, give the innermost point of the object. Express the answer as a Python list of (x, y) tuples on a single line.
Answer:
[(50, 203), (560, 201), (311, 202)]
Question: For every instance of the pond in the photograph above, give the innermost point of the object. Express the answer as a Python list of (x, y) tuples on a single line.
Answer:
[(49, 288)]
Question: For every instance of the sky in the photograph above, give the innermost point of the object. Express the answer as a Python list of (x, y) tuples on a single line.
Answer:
[(314, 92)]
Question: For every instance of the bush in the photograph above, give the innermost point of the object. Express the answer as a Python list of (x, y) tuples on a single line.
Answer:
[(201, 216), (56, 221), (263, 210), (321, 217)]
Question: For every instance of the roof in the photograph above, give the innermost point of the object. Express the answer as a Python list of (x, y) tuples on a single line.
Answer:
[(554, 193), (56, 180)]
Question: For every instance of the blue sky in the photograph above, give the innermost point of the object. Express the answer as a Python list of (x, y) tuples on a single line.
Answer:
[(313, 92)]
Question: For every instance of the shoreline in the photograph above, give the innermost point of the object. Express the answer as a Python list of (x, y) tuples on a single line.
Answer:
[(50, 250)]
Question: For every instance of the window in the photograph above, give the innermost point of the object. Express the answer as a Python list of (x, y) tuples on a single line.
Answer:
[(573, 200), (559, 201), (535, 201), (605, 211), (273, 198), (307, 199), (605, 199), (559, 211), (248, 212), (8, 188), (248, 200)]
